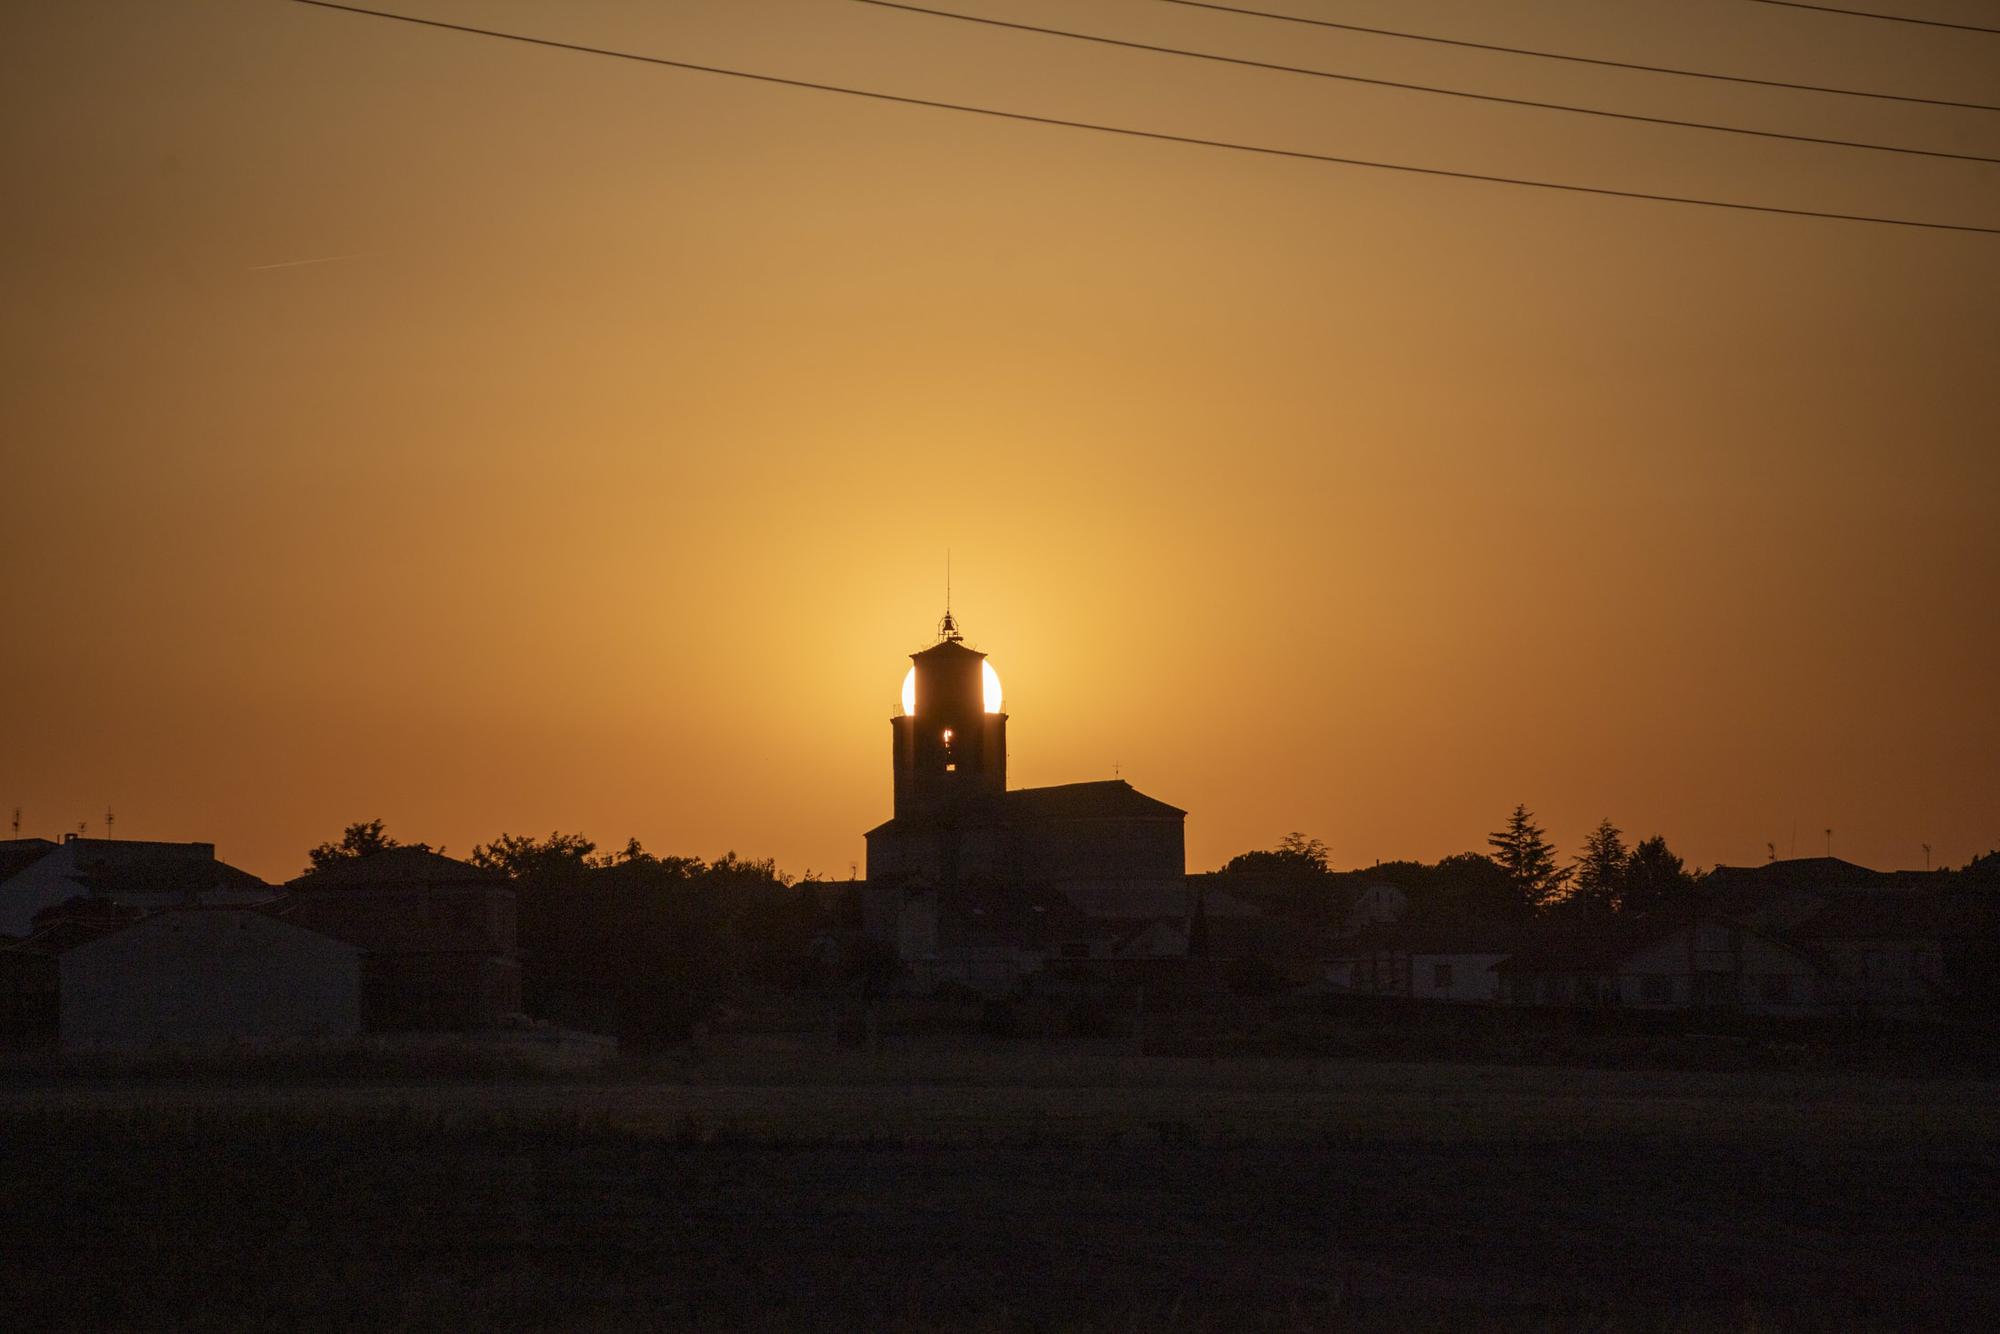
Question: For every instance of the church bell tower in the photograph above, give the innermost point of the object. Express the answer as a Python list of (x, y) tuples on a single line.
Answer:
[(951, 739)]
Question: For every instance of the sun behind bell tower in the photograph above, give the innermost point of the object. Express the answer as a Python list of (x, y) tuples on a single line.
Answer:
[(950, 742)]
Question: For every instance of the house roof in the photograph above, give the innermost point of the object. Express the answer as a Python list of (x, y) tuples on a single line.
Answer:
[(18, 854), (169, 877), (393, 868), (1810, 873)]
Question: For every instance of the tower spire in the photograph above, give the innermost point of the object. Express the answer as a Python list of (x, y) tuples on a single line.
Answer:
[(948, 627)]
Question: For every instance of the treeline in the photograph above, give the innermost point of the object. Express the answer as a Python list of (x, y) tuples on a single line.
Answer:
[(648, 946), (1521, 879)]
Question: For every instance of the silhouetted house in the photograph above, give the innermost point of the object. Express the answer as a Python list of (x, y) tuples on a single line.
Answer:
[(1453, 964), (36, 874), (972, 882), (438, 936), (1895, 944), (194, 975), (1923, 949), (30, 976), (1657, 964)]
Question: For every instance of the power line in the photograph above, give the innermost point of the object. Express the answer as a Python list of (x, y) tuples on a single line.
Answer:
[(1128, 132), (1582, 60), (1417, 87), (1870, 14)]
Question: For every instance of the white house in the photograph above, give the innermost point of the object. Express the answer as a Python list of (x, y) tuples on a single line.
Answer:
[(1454, 965), (207, 975)]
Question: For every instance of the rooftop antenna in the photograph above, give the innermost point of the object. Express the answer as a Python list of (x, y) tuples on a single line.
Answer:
[(17, 822), (1927, 856), (108, 819), (1829, 842), (82, 828), (1771, 849)]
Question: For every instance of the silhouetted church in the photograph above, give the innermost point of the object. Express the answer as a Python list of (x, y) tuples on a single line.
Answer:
[(972, 881)]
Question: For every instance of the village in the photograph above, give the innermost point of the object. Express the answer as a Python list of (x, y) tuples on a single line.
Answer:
[(1074, 900)]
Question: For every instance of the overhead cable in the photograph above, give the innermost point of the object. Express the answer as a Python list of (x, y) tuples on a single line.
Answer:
[(1581, 60), (1132, 133), (1418, 87), (1871, 14)]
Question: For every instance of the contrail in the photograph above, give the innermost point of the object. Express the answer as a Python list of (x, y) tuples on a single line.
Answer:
[(295, 263)]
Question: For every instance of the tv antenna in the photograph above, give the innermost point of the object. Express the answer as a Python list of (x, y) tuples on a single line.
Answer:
[(1927, 856), (1829, 842), (1770, 852), (17, 822), (109, 819)]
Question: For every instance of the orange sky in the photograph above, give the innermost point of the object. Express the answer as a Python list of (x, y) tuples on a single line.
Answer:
[(604, 478)]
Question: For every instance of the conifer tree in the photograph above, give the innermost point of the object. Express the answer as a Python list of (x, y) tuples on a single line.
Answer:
[(1656, 879), (1600, 871), (1528, 859)]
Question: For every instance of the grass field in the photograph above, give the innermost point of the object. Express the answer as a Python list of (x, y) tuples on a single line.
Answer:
[(784, 1184)]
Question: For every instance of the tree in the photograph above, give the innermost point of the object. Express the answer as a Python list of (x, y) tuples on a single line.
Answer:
[(360, 839), (1528, 858), (519, 857), (1655, 878), (1296, 855), (1600, 872)]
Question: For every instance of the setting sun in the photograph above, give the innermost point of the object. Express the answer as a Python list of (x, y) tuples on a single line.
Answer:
[(988, 676)]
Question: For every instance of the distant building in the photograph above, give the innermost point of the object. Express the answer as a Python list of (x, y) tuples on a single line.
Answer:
[(438, 936), (207, 975), (1437, 964), (1912, 945), (1379, 904), (1661, 965), (973, 882), (36, 874)]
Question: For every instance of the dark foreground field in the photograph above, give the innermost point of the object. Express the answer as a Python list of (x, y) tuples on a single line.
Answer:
[(1077, 1193)]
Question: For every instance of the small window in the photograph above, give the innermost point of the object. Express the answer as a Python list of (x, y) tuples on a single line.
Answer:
[(1441, 977)]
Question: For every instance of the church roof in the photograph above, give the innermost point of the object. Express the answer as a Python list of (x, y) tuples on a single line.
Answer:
[(948, 648), (1115, 799)]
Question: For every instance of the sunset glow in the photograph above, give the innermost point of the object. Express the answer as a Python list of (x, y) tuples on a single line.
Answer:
[(991, 696), (535, 440)]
